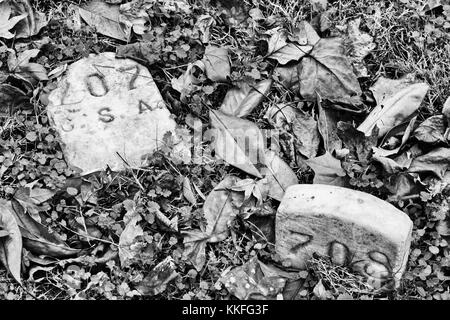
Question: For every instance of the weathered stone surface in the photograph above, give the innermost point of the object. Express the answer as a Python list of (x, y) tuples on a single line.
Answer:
[(105, 107), (353, 228)]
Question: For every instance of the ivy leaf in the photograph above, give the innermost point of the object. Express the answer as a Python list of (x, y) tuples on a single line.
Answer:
[(6, 22), (239, 142), (327, 72), (240, 102), (217, 64), (327, 169), (11, 242)]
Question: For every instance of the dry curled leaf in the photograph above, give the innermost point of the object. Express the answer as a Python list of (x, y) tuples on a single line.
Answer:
[(156, 281), (436, 161), (11, 242), (432, 130), (7, 22), (36, 237), (360, 45), (396, 101), (217, 63), (33, 22)]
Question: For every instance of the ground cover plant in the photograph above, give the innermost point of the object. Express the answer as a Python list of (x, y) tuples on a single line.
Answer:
[(357, 92)]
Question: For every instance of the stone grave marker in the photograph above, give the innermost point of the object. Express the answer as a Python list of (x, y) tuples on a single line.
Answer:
[(353, 228), (108, 111)]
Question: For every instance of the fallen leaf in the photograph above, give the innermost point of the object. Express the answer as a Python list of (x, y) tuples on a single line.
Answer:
[(237, 141), (26, 70), (12, 99), (406, 134), (446, 109), (105, 19), (254, 281), (188, 193), (128, 239), (219, 210), (36, 237), (204, 24), (278, 48), (188, 81), (251, 188), (303, 127), (320, 291), (327, 72), (307, 135), (360, 45), (436, 161), (358, 143), (319, 5), (432, 130), (7, 22), (142, 51), (33, 22), (327, 126), (194, 248), (279, 175), (156, 281), (281, 115), (11, 243), (217, 64), (30, 198), (327, 169), (389, 165), (240, 102), (396, 101)]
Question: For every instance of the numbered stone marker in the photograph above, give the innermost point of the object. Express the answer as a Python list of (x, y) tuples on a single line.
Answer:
[(353, 228), (108, 111)]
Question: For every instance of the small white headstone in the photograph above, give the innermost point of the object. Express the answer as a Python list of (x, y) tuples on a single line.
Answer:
[(353, 228), (108, 111)]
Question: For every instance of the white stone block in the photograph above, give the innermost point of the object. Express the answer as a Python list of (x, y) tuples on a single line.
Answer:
[(106, 109), (354, 228)]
